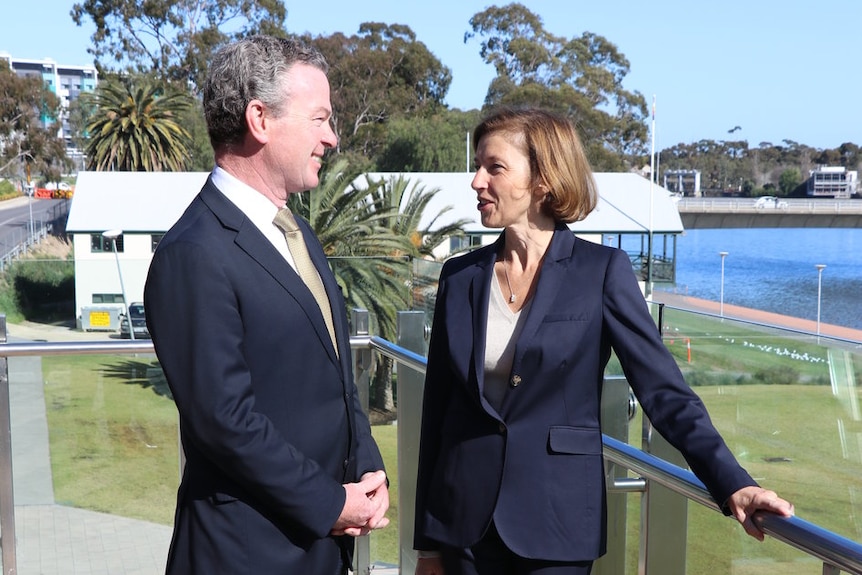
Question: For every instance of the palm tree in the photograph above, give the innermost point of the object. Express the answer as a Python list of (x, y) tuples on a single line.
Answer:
[(135, 128), (371, 237), (357, 244), (403, 210)]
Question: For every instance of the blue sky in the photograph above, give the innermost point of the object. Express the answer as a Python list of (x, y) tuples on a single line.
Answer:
[(779, 70)]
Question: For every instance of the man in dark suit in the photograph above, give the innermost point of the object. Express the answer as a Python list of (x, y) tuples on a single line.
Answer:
[(281, 469)]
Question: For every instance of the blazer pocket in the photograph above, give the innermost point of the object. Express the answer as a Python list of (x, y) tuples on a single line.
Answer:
[(575, 440), (554, 317)]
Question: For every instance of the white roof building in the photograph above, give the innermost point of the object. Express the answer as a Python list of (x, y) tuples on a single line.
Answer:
[(623, 208), (144, 205)]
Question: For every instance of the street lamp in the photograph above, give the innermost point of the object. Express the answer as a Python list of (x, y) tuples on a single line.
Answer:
[(113, 235), (819, 284), (721, 291)]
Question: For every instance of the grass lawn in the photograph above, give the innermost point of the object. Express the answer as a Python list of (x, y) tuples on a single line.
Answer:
[(113, 435), (113, 439)]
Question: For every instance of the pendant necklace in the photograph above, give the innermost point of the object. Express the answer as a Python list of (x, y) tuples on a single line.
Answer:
[(508, 283)]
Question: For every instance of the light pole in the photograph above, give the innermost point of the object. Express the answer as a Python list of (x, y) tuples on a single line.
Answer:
[(113, 235), (721, 291), (30, 190), (819, 284)]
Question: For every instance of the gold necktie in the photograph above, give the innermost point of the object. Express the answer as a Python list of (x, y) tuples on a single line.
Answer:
[(304, 266)]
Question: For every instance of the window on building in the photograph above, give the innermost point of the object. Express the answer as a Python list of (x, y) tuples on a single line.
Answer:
[(154, 241), (99, 244), (458, 243), (107, 298)]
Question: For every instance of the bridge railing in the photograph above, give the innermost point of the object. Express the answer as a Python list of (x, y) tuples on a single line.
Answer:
[(747, 206)]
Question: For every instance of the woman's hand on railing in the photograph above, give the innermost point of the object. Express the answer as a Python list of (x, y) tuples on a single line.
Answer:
[(747, 500)]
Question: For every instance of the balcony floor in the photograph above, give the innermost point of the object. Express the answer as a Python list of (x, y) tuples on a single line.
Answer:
[(59, 540)]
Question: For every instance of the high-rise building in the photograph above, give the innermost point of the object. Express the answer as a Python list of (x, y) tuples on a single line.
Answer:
[(66, 81)]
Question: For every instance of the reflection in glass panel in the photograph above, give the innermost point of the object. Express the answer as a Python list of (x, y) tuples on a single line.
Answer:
[(112, 428)]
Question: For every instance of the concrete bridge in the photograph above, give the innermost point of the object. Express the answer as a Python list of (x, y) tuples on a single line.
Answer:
[(797, 213)]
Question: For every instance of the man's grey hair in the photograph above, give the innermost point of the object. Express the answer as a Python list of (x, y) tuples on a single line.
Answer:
[(252, 68)]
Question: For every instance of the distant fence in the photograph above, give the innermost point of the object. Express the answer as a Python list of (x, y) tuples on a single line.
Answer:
[(53, 222)]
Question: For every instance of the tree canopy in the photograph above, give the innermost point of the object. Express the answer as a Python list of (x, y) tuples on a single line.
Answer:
[(580, 77), (27, 108), (173, 37), (377, 75)]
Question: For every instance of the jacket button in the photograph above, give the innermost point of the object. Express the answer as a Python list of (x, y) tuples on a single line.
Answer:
[(345, 463), (516, 380), (502, 427)]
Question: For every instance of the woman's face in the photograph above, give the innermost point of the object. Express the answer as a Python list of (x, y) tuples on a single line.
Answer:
[(502, 182)]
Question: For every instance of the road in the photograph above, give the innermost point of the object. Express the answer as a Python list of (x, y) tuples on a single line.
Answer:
[(15, 218)]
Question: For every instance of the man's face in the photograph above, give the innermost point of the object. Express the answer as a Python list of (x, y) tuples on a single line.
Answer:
[(302, 134)]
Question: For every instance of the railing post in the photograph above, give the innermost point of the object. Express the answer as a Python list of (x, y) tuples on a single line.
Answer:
[(664, 514), (362, 377), (362, 358), (411, 383), (7, 497), (617, 410)]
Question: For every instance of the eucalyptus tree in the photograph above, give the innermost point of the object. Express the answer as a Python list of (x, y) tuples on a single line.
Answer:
[(28, 137), (172, 37), (136, 127), (581, 77), (435, 143), (381, 73)]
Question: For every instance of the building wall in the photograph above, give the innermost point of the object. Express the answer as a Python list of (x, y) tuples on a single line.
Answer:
[(832, 182), (685, 182), (97, 273)]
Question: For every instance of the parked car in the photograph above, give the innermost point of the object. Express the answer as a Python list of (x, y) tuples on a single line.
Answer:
[(770, 202), (139, 322)]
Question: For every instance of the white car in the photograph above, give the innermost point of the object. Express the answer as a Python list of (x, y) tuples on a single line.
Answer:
[(769, 202)]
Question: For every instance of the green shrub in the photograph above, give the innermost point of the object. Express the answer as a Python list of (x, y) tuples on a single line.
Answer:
[(8, 190), (777, 375), (40, 287), (704, 378), (44, 289)]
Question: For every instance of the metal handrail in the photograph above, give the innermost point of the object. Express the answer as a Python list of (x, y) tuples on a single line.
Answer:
[(832, 549), (827, 546)]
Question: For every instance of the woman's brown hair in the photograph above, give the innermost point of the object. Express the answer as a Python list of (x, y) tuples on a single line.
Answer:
[(557, 159)]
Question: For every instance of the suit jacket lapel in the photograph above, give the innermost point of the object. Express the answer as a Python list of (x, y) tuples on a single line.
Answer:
[(552, 278), (251, 241)]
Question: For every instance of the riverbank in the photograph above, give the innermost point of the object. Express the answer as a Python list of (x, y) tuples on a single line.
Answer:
[(755, 315)]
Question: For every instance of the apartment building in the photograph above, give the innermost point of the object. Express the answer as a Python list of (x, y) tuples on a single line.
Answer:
[(832, 182), (66, 81)]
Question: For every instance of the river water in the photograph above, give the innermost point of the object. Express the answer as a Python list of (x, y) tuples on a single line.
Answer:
[(774, 270)]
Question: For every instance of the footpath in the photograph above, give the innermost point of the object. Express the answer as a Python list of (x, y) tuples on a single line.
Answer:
[(755, 315)]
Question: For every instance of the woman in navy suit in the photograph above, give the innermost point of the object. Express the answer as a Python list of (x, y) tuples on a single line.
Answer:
[(510, 465)]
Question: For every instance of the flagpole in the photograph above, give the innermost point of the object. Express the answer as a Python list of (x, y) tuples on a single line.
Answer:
[(652, 177)]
